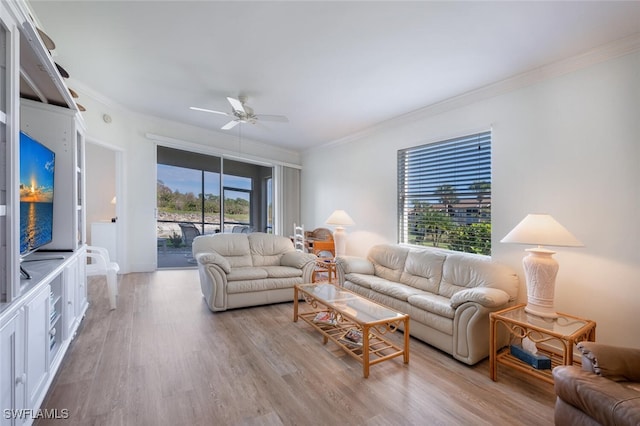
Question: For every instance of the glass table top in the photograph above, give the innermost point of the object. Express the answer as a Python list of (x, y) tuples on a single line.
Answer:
[(352, 304), (564, 324)]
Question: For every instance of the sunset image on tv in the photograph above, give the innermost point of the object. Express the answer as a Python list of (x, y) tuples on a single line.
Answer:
[(36, 194)]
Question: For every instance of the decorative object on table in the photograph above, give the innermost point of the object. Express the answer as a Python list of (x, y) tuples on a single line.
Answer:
[(352, 337), (540, 268), (325, 317), (340, 219), (539, 362)]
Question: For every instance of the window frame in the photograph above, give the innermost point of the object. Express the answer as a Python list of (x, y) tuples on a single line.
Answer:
[(444, 193)]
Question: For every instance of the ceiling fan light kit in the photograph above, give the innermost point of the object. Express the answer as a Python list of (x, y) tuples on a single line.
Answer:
[(242, 113)]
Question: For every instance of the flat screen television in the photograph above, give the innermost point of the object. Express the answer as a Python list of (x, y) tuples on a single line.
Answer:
[(37, 164)]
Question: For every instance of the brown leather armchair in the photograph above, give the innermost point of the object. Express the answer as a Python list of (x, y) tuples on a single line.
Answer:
[(605, 391)]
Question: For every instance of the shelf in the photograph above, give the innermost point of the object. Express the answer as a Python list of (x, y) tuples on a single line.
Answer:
[(506, 358), (379, 348)]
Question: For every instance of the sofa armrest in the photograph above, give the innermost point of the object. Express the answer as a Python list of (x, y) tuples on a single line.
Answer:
[(485, 296), (214, 258), (613, 362), (297, 259), (603, 400), (354, 264)]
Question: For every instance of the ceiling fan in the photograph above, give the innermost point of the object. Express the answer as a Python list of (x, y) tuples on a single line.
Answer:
[(242, 113)]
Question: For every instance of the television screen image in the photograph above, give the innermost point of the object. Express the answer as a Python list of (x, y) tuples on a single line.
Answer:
[(36, 194)]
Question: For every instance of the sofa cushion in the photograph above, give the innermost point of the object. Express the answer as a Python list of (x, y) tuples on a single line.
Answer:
[(297, 259), (281, 271), (246, 273), (395, 290), (355, 265), (365, 280), (267, 249), (433, 303), (431, 320), (423, 270), (268, 284), (233, 247), (388, 260), (462, 271)]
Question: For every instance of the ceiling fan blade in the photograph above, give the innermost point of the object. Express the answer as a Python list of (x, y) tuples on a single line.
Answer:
[(230, 125), (208, 110), (236, 105), (268, 117)]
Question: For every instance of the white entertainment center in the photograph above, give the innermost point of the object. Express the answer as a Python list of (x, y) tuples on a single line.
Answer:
[(38, 316)]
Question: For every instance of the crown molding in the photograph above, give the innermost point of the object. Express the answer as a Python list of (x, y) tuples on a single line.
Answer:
[(603, 53)]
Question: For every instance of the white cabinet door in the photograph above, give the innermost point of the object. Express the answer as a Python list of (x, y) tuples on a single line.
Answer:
[(38, 339), (12, 372), (81, 288), (70, 284)]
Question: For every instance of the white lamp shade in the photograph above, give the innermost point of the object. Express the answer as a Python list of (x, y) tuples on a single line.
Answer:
[(340, 218), (542, 230)]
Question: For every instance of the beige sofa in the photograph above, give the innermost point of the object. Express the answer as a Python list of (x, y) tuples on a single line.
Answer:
[(238, 270), (448, 295)]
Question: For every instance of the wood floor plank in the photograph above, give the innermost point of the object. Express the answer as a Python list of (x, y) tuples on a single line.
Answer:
[(162, 358)]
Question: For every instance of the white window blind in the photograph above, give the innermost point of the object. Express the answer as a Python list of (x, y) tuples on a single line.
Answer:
[(444, 194)]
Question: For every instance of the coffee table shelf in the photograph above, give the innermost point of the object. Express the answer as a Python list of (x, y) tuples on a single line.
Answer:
[(352, 311)]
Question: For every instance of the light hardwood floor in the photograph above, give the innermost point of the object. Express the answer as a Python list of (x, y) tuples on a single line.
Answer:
[(162, 358)]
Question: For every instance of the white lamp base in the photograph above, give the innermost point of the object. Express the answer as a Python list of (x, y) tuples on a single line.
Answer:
[(540, 270), (340, 241)]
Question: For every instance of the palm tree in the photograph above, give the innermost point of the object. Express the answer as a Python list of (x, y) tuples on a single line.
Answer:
[(448, 197), (482, 189)]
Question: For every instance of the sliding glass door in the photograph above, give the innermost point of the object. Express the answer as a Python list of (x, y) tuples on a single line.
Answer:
[(189, 204)]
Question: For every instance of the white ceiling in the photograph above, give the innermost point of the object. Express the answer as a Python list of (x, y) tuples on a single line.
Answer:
[(333, 68)]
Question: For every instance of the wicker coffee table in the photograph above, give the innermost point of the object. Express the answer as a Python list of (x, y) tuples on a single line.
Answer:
[(356, 324)]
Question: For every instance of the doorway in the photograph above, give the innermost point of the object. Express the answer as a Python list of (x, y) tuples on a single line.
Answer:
[(103, 197)]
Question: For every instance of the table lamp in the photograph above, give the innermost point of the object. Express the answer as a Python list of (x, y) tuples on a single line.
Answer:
[(340, 219), (540, 268)]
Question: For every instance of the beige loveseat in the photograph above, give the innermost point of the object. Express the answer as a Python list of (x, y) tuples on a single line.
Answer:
[(448, 295), (238, 270)]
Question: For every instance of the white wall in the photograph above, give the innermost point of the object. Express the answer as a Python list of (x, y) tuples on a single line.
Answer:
[(101, 180), (126, 131), (568, 146)]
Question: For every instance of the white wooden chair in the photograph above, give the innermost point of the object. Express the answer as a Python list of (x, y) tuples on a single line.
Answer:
[(101, 265), (298, 237)]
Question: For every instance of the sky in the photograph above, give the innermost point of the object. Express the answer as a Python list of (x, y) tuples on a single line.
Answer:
[(36, 171), (189, 180)]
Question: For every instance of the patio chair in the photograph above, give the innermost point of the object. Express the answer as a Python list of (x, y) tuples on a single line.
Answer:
[(189, 232)]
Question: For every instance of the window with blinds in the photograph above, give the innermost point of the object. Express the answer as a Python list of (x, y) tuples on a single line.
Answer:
[(444, 194)]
